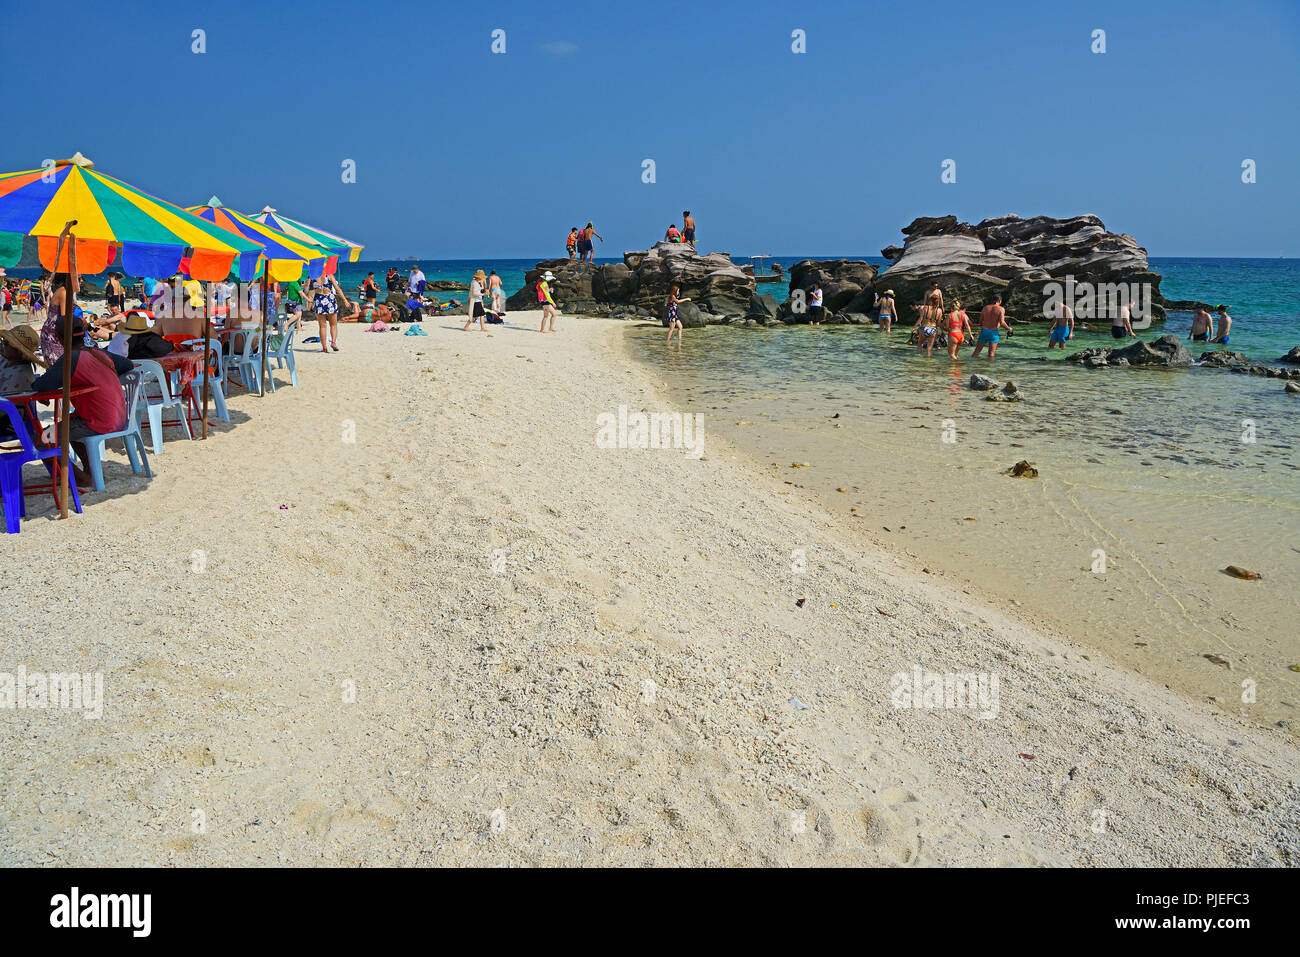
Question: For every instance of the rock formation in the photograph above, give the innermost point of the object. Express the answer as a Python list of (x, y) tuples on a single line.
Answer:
[(1014, 257), (719, 291), (1166, 351)]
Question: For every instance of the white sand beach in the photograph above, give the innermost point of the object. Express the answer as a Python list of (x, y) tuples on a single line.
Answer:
[(561, 654)]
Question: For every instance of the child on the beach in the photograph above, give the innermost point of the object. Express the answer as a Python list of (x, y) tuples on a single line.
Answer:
[(958, 328), (673, 321)]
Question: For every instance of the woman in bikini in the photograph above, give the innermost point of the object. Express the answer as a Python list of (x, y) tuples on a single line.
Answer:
[(888, 311), (928, 324), (958, 328)]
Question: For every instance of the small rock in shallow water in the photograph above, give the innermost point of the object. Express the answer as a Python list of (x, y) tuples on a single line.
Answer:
[(1022, 469), (1242, 573)]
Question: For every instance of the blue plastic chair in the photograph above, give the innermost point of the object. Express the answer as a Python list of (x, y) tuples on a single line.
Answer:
[(130, 436), (282, 356), (11, 469)]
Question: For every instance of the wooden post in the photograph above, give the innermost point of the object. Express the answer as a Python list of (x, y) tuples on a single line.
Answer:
[(266, 284), (65, 422), (207, 344)]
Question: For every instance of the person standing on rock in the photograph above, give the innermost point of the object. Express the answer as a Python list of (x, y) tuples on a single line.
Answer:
[(1225, 325), (571, 243), (673, 235), (688, 231), (888, 310), (585, 249), (992, 322), (1062, 326), (673, 321), (547, 300)]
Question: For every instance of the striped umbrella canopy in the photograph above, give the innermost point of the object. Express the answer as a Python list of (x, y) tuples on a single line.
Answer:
[(152, 234), (285, 254), (336, 246)]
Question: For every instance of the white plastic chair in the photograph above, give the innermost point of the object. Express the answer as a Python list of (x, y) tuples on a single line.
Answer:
[(248, 363), (283, 356), (217, 383), (154, 405), (133, 385)]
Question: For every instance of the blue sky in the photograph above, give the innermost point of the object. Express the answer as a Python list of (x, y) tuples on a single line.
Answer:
[(462, 153)]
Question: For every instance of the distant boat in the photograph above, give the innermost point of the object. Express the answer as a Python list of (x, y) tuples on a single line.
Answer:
[(755, 269)]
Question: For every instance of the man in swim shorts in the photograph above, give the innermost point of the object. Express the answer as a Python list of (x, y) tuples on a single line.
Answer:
[(585, 253), (688, 228), (1225, 325), (1121, 326), (992, 322), (1202, 324), (1062, 326)]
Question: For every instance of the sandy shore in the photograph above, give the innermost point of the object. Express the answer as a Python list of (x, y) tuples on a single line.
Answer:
[(604, 647)]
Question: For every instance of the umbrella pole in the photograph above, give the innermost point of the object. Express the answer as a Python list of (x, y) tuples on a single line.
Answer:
[(207, 344), (266, 276), (65, 422)]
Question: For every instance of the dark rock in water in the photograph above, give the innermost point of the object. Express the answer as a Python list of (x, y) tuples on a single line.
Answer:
[(856, 318), (1009, 393), (1166, 351), (1293, 388), (690, 315), (1225, 360), (1017, 258), (1293, 357), (1022, 469), (982, 383), (763, 306), (842, 280), (447, 285)]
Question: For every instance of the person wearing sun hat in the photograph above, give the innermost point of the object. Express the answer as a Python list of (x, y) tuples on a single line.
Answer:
[(888, 310), (476, 310), (17, 357), (547, 300), (142, 341)]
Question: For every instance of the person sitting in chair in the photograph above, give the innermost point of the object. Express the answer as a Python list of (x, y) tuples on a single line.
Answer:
[(99, 411), (143, 342)]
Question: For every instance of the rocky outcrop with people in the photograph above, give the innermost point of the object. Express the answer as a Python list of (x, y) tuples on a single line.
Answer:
[(638, 286), (846, 286), (1016, 258)]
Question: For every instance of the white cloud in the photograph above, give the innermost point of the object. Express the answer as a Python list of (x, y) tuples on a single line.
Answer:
[(560, 48)]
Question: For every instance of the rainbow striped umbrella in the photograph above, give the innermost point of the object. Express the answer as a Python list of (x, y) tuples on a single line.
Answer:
[(336, 246), (153, 234), (285, 254)]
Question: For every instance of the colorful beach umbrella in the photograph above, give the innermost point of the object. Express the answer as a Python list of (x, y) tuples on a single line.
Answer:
[(336, 246), (100, 217), (286, 255), (151, 233)]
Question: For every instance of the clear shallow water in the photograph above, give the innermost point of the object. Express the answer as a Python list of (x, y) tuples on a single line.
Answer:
[(1150, 466)]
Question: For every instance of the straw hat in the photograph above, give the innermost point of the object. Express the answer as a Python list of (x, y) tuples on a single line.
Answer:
[(26, 340), (889, 292), (135, 324), (480, 275)]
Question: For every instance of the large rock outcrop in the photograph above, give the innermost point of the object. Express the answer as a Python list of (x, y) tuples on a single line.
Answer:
[(1166, 351), (1017, 258), (639, 285), (846, 284)]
